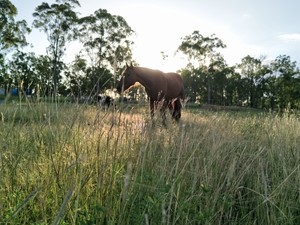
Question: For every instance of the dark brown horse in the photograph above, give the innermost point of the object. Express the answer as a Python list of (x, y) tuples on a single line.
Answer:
[(164, 88)]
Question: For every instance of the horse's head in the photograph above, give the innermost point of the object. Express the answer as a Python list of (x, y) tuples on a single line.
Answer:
[(128, 78)]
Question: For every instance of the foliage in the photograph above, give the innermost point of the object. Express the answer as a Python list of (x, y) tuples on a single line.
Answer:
[(58, 21), (201, 52), (252, 83), (22, 71), (85, 81), (287, 82), (106, 39), (200, 48), (253, 72), (12, 36), (43, 65), (12, 33)]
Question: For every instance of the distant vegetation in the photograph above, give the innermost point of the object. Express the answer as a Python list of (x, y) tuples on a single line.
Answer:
[(79, 164), (106, 42)]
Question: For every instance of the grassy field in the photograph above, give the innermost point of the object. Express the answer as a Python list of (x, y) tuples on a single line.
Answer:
[(79, 164)]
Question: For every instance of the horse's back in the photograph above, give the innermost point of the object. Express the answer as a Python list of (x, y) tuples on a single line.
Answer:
[(175, 85)]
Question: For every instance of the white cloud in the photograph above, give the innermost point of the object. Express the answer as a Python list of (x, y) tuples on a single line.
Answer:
[(295, 37)]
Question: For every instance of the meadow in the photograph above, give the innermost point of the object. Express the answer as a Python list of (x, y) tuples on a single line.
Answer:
[(81, 164)]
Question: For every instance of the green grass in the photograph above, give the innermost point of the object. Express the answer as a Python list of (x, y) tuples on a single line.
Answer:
[(79, 164)]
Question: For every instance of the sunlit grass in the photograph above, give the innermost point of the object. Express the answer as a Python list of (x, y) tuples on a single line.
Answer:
[(80, 164)]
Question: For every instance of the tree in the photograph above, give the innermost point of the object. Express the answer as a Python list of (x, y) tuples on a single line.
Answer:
[(75, 76), (106, 40), (191, 82), (22, 72), (12, 36), (253, 73), (199, 48), (97, 80), (5, 80), (43, 65), (203, 56), (270, 93), (216, 79), (287, 82), (58, 21), (82, 80), (233, 87), (12, 33)]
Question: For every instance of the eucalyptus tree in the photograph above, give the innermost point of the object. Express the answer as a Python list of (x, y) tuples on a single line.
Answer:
[(106, 39), (234, 87), (287, 82), (12, 36), (191, 83), (12, 32), (43, 65), (270, 100), (216, 79), (4, 76), (199, 48), (202, 55), (22, 71), (254, 73), (97, 80), (81, 79), (59, 22), (75, 76)]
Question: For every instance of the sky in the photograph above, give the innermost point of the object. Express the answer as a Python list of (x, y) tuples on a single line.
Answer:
[(257, 28)]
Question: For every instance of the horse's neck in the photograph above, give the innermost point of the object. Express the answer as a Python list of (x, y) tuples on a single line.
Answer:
[(144, 77)]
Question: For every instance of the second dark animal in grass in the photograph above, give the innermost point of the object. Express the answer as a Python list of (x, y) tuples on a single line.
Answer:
[(105, 100)]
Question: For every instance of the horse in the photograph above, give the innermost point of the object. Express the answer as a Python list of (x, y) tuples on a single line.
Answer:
[(164, 88)]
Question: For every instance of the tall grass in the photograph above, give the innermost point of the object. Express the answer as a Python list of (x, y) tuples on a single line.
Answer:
[(78, 164)]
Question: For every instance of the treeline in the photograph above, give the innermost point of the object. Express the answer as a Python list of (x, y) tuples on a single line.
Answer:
[(253, 82), (105, 47), (106, 42)]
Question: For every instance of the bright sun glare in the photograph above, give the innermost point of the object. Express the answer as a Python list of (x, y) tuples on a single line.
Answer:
[(156, 33)]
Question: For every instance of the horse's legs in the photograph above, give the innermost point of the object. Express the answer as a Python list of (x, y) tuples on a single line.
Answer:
[(152, 108), (171, 106), (163, 111), (164, 104), (176, 105), (179, 107)]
